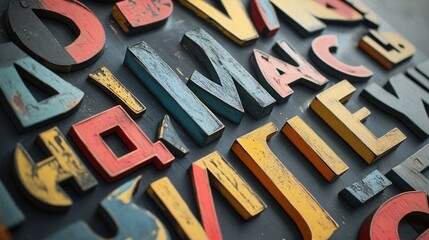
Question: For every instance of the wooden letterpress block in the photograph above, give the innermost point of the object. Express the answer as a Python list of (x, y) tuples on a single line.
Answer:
[(418, 77), (41, 44), (41, 181), (264, 17), (10, 214), (253, 150), (371, 19), (167, 134)]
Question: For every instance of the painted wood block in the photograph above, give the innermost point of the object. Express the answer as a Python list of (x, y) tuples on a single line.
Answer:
[(168, 136), (264, 17), (201, 124), (321, 53), (405, 100), (27, 30), (4, 233), (253, 150), (371, 19), (323, 158), (232, 186), (276, 75), (305, 15), (329, 105), (42, 181), (423, 68), (383, 224), (418, 77), (129, 220), (88, 136), (235, 23), (103, 78), (363, 190), (169, 200), (408, 175), (220, 93), (203, 195), (387, 48), (10, 214), (25, 111), (139, 16)]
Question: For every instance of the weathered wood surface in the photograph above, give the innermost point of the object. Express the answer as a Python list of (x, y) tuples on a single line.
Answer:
[(168, 136)]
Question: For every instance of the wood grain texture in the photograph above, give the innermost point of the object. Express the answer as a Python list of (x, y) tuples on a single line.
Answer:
[(235, 24), (230, 81), (103, 78), (139, 16), (403, 99), (41, 181), (408, 175), (88, 136), (384, 223), (175, 208), (363, 190), (253, 150), (264, 17), (168, 136), (276, 75), (201, 124), (329, 106), (321, 51), (29, 32), (25, 111), (10, 214), (323, 158), (387, 48), (129, 220), (232, 186)]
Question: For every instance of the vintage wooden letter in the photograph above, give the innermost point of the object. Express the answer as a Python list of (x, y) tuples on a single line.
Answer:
[(370, 17), (321, 49), (41, 181), (42, 45), (383, 224), (129, 220), (408, 175), (404, 99), (167, 134), (236, 25), (315, 149), (103, 78), (220, 93), (253, 150), (203, 126), (25, 111), (387, 48), (304, 15), (276, 75), (88, 135), (138, 16), (169, 200), (10, 214), (363, 190), (329, 106), (264, 17), (420, 74), (231, 185)]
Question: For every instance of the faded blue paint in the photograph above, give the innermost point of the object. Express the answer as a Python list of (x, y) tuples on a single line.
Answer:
[(268, 12), (10, 214)]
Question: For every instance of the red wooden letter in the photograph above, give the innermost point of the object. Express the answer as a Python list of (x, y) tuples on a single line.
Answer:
[(383, 224), (89, 133), (321, 54)]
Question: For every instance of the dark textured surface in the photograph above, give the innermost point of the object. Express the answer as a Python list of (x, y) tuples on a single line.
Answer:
[(408, 18)]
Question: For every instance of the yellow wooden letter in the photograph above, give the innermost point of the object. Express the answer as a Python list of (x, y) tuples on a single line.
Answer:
[(253, 150), (387, 48), (314, 149), (329, 106), (232, 186), (112, 86), (236, 25), (169, 200), (42, 180)]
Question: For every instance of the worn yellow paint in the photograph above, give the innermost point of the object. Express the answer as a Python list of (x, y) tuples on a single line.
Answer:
[(120, 19), (329, 106), (41, 180), (232, 186), (169, 200), (387, 48), (236, 25), (327, 162), (109, 83), (253, 150)]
